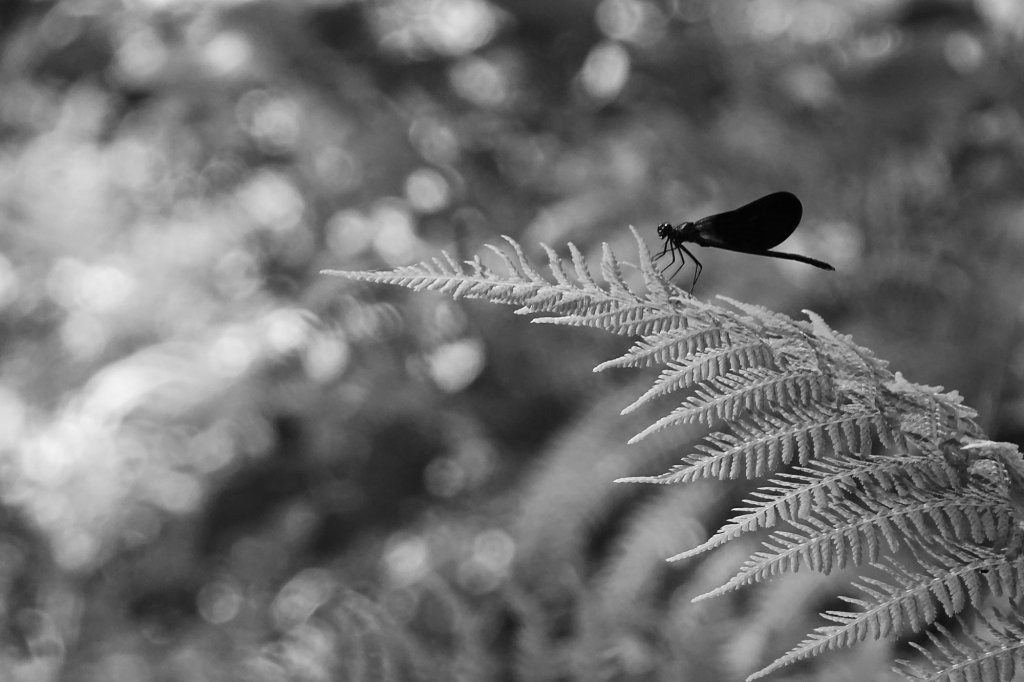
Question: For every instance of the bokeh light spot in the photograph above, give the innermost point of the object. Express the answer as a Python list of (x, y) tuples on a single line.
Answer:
[(963, 52), (436, 141), (213, 448), (819, 22), (494, 548), (338, 168), (619, 19), (761, 19), (444, 477), (275, 121), (106, 288), (220, 600), (481, 81), (326, 356), (489, 564), (395, 240), (95, 288), (453, 366), (48, 460), (451, 27), (427, 190), (810, 85), (228, 53), (462, 25), (449, 319), (176, 491), (349, 233), (232, 353), (406, 558), (141, 55), (636, 21), (273, 201), (287, 330), (236, 274), (605, 71), (75, 549)]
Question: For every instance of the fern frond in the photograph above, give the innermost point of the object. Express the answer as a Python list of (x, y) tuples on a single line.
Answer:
[(850, 532), (817, 544), (954, 577), (792, 496), (860, 361), (926, 414), (626, 318), (849, 631), (618, 309), (907, 603), (454, 279), (760, 444), (703, 366), (994, 651), (800, 401), (723, 397), (583, 303), (669, 346)]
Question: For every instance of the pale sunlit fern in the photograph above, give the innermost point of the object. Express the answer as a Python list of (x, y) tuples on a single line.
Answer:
[(867, 469)]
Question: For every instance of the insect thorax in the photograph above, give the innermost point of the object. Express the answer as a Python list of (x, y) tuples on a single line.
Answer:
[(675, 233)]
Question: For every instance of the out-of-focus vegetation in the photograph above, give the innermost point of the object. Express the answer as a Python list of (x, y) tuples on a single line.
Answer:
[(216, 464)]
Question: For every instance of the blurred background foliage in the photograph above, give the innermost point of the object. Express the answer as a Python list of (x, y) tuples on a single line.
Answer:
[(216, 464)]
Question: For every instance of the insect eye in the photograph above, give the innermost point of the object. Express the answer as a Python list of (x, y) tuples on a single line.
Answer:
[(664, 229)]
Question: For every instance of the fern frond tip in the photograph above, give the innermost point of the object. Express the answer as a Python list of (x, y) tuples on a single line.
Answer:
[(358, 275), (637, 479)]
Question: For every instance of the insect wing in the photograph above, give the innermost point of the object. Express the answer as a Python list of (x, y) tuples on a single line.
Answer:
[(758, 226)]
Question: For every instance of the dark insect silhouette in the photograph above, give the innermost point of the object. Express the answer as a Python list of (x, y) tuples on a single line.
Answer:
[(754, 228)]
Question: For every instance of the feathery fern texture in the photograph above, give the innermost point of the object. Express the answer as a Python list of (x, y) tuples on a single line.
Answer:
[(867, 469), (993, 651)]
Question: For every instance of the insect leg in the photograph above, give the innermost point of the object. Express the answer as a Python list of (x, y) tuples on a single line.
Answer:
[(697, 267), (672, 250), (682, 261)]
